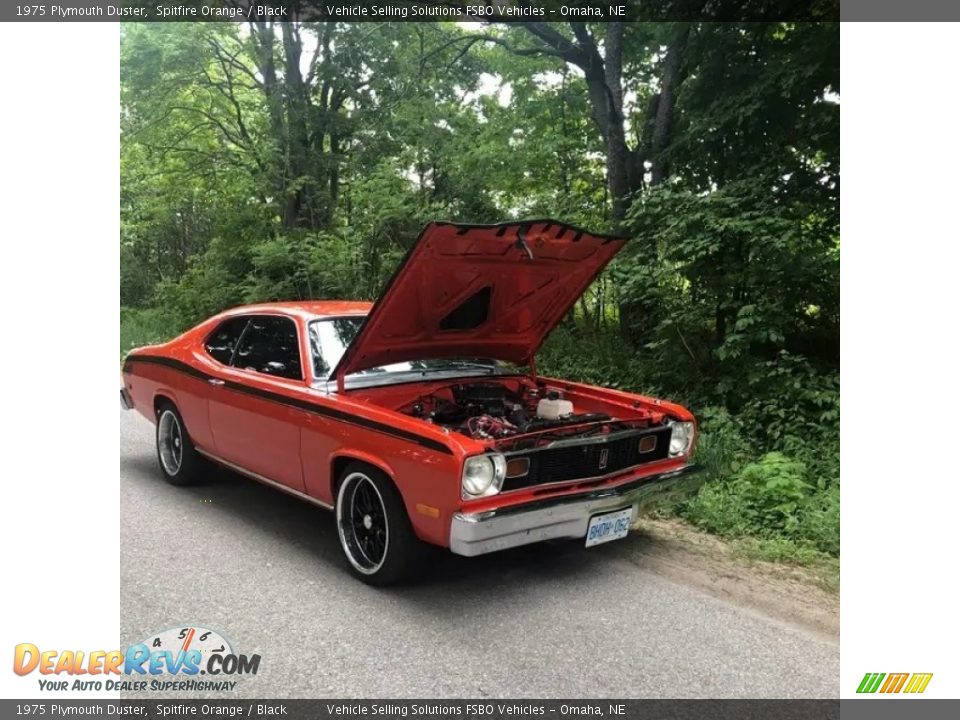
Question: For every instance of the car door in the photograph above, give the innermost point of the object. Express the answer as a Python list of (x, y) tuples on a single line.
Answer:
[(255, 425), (219, 347)]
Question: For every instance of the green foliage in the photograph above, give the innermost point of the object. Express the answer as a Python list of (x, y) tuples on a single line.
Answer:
[(722, 447), (765, 495), (596, 358), (791, 405), (771, 472), (773, 498), (145, 326), (819, 523)]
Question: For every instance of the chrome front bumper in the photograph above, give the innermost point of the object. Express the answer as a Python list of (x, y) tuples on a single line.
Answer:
[(562, 517)]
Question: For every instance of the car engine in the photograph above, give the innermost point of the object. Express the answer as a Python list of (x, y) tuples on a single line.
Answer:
[(491, 410)]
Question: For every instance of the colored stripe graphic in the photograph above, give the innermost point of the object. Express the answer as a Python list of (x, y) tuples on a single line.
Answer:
[(894, 683), (918, 682), (870, 682)]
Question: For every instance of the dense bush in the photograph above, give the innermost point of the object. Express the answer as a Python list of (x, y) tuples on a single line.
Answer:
[(145, 326), (772, 471), (765, 495)]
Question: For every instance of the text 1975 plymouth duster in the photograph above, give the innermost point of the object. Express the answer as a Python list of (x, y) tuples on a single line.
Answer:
[(421, 418)]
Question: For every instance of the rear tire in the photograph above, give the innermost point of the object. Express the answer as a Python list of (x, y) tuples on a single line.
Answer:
[(179, 460), (375, 533)]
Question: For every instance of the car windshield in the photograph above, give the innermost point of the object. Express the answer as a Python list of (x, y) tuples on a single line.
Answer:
[(329, 339)]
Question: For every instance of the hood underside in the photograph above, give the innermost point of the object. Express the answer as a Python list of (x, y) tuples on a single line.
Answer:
[(479, 291)]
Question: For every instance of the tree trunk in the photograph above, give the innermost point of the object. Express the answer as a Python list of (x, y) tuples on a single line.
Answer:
[(625, 167), (619, 159), (663, 121), (299, 208), (300, 173), (262, 33)]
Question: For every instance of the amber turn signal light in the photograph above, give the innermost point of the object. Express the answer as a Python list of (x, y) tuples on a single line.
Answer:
[(518, 467), (647, 444), (428, 510)]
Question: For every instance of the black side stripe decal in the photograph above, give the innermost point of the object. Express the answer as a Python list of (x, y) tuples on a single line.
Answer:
[(304, 405)]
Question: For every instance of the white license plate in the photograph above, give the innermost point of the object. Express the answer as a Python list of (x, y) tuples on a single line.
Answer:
[(609, 526)]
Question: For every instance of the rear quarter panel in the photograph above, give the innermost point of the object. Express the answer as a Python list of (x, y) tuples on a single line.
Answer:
[(147, 378)]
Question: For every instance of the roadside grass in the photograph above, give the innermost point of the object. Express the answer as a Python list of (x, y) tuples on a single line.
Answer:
[(818, 567), (740, 571), (779, 556), (824, 568)]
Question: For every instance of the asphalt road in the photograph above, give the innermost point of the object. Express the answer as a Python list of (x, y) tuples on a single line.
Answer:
[(552, 621)]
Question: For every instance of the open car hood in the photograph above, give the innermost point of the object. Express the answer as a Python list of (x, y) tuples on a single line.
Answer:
[(479, 291)]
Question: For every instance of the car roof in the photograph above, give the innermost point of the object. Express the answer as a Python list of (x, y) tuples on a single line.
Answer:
[(307, 309)]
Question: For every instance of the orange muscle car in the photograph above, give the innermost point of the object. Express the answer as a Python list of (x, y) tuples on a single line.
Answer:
[(421, 419)]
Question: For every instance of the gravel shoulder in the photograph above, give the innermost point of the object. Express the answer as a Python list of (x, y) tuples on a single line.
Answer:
[(790, 593)]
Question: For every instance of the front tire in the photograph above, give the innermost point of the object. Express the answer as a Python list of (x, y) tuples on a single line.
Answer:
[(179, 460), (375, 533)]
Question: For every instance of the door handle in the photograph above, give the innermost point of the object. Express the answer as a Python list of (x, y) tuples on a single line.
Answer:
[(215, 382)]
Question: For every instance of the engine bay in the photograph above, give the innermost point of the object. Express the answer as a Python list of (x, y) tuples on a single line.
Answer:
[(484, 410)]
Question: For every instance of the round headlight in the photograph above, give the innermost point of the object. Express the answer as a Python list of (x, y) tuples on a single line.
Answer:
[(483, 475), (477, 475), (681, 437)]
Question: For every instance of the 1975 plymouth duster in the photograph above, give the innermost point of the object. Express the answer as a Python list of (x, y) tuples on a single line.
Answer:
[(421, 419)]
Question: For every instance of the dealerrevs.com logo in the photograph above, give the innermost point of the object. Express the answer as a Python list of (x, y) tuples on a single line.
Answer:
[(910, 683), (170, 660)]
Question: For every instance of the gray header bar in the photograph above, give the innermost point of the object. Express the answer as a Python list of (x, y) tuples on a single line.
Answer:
[(899, 10), (487, 709), (483, 709), (477, 10), (422, 10)]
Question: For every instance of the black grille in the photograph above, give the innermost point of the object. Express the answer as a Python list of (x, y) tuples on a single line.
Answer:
[(579, 462)]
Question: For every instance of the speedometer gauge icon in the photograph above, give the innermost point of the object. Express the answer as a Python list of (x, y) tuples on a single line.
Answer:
[(184, 639)]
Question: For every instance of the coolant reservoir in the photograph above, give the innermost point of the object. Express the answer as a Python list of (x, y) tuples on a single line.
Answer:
[(553, 408)]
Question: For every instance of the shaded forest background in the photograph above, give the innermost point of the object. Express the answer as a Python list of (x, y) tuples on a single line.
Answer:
[(266, 162)]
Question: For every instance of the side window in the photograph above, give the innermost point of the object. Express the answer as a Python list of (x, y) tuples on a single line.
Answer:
[(270, 346), (221, 343), (329, 340)]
